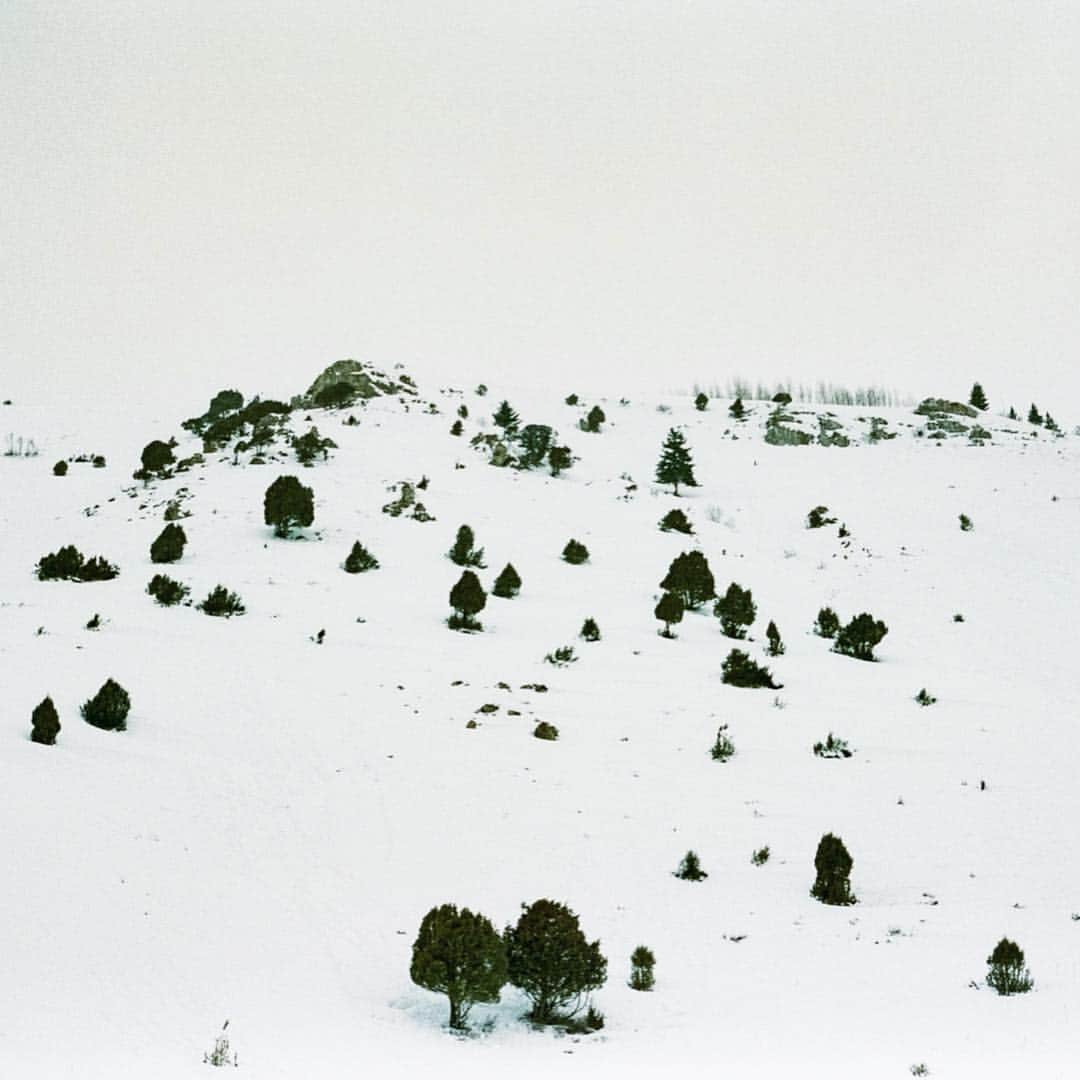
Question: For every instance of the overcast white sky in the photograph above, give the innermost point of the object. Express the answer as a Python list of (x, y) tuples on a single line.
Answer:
[(198, 194)]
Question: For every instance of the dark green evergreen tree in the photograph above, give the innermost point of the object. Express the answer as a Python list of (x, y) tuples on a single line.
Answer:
[(593, 420), (60, 468), (44, 723), (690, 868), (463, 553), (739, 670), (560, 458), (535, 440), (701, 402), (468, 599), (977, 400), (157, 456), (776, 645), (833, 865), (690, 577), (1007, 972), (507, 419), (736, 610), (860, 636), (818, 518), (675, 465), (1012, 413), (169, 546), (642, 962), (456, 428), (669, 611), (549, 959), (575, 553), (459, 954), (676, 521), (225, 401), (589, 630), (288, 504), (507, 584), (737, 409), (1050, 423), (108, 708), (166, 591), (309, 446), (360, 559), (828, 623), (1033, 415)]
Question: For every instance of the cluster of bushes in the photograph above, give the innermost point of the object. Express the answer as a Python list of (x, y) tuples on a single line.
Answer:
[(858, 638), (69, 564), (545, 955), (108, 709), (228, 417), (534, 444)]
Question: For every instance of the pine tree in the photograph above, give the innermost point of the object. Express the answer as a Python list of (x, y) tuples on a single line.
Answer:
[(549, 959), (467, 598), (1012, 413), (507, 419), (1033, 415), (735, 610), (642, 962), (360, 559), (1007, 972), (560, 458), (462, 553), (456, 428), (507, 584), (690, 577), (833, 865), (675, 465), (776, 646), (589, 630), (108, 708), (737, 409), (977, 400), (593, 420), (460, 954), (287, 504), (690, 868), (44, 723), (701, 402), (535, 441), (828, 623), (859, 637), (575, 553), (169, 546), (668, 611), (1050, 423)]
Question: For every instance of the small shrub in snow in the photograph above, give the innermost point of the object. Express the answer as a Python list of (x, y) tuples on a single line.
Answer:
[(761, 856), (832, 747), (723, 748), (507, 584), (642, 962), (360, 560), (94, 622), (859, 637), (108, 708), (44, 723), (669, 611), (737, 409), (817, 518), (828, 623), (463, 553), (575, 553), (701, 402), (221, 1053), (572, 399), (924, 699), (60, 468), (169, 546), (775, 646), (594, 420), (309, 446), (1007, 972), (589, 630), (98, 569), (468, 599), (739, 670), (736, 610), (546, 731), (561, 656), (560, 458), (833, 865), (958, 617), (690, 868), (456, 428), (166, 590), (221, 602), (676, 521), (966, 524)]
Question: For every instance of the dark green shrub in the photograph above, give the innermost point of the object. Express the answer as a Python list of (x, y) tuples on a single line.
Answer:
[(642, 962), (288, 504), (60, 468), (736, 610), (63, 565), (593, 420), (966, 524), (360, 559), (156, 458), (460, 954), (468, 599), (776, 646), (456, 428), (44, 723), (169, 546), (309, 446), (98, 569), (737, 409), (690, 868), (572, 399), (546, 731), (832, 747), (166, 591), (675, 465), (563, 656), (589, 630), (723, 749), (676, 521), (818, 518), (108, 708), (833, 865), (977, 400), (828, 623), (924, 699), (1007, 972), (221, 602), (739, 670), (535, 440), (701, 402), (560, 458), (761, 856), (463, 411), (549, 959), (463, 553), (1033, 415), (507, 419), (575, 553), (669, 611), (691, 579), (225, 401), (507, 584), (860, 636)]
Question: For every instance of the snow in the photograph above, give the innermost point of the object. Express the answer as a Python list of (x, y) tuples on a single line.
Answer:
[(262, 842)]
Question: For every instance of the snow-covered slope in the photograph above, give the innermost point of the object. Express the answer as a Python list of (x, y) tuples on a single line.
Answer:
[(262, 842)]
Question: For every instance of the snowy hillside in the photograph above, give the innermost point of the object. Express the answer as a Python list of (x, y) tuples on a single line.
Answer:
[(263, 840)]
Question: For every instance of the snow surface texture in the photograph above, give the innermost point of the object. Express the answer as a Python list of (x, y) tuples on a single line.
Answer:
[(263, 841)]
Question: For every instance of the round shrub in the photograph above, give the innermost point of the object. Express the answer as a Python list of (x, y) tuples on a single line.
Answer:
[(108, 708)]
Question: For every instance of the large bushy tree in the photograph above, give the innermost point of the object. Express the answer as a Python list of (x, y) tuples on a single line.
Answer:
[(468, 599), (108, 708), (691, 579), (736, 610), (459, 954), (156, 457), (675, 465), (1008, 975), (859, 637), (169, 545), (549, 959), (287, 505)]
